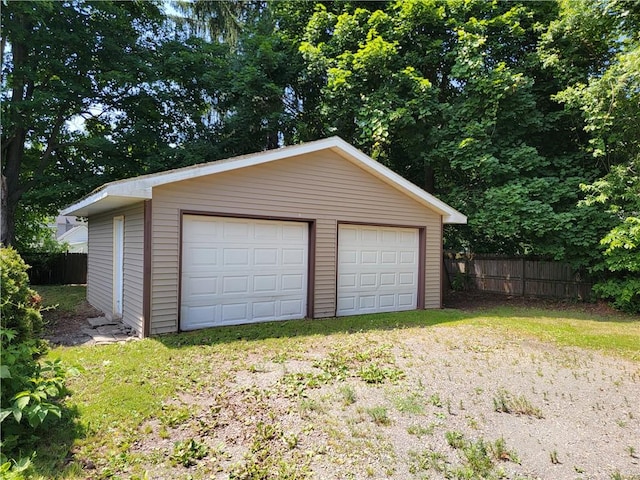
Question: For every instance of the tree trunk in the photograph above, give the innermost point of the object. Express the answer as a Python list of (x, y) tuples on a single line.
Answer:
[(4, 223), (429, 179), (14, 143)]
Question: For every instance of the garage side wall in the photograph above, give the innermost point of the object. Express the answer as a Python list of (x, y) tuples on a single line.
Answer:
[(320, 186), (100, 264)]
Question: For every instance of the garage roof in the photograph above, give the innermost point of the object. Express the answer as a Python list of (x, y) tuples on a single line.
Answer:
[(132, 190)]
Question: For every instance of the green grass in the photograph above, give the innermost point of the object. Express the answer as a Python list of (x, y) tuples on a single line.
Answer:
[(613, 334), (126, 386), (65, 298), (617, 334)]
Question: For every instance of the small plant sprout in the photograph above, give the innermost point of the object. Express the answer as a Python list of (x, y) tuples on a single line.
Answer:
[(379, 415), (291, 440), (504, 402), (434, 400), (455, 439), (412, 404), (553, 455), (186, 453), (420, 431), (348, 394)]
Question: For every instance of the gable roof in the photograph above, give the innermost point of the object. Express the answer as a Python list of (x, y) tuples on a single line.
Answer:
[(129, 191), (74, 235)]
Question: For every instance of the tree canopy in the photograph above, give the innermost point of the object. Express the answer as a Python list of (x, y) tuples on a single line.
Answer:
[(523, 115)]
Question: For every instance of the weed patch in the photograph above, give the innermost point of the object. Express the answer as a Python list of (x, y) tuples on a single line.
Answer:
[(379, 415), (505, 402), (266, 456), (348, 394), (420, 430), (373, 373), (411, 404), (188, 452), (477, 460)]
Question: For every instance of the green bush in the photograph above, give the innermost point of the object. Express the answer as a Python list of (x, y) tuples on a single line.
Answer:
[(622, 262), (29, 388), (624, 293), (20, 305)]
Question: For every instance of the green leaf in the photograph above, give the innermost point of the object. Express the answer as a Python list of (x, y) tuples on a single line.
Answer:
[(17, 414), (22, 400), (5, 372)]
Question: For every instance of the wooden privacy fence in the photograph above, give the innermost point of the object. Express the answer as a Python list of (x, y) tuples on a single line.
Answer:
[(517, 276), (56, 268)]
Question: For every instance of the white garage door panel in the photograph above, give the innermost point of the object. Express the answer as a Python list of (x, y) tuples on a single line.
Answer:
[(377, 269), (242, 271)]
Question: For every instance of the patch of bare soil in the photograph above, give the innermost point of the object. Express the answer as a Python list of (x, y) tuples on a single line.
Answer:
[(472, 300), (444, 402), (65, 328), (439, 403)]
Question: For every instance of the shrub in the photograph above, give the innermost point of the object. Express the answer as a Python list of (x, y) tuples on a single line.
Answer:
[(20, 305), (29, 389), (624, 292)]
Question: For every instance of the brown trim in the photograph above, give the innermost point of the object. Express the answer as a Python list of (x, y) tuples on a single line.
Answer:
[(422, 257), (181, 213), (335, 270), (369, 224), (311, 270), (442, 270), (250, 216), (146, 279), (422, 267), (311, 254)]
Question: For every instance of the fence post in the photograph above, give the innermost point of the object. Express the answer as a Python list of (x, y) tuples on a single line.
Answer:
[(467, 273), (523, 276)]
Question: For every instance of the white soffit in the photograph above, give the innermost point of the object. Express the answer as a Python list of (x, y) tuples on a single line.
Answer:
[(129, 191)]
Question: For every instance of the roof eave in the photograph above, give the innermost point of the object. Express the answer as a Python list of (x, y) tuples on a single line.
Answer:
[(455, 219), (106, 199), (130, 191)]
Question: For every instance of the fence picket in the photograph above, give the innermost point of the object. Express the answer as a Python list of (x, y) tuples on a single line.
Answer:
[(56, 269), (517, 276)]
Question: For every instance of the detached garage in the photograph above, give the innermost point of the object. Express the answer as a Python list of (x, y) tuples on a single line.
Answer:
[(312, 230)]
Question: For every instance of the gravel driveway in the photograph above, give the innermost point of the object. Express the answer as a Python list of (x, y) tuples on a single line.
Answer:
[(443, 402), (450, 401)]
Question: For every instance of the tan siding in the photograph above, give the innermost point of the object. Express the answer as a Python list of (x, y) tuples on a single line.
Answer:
[(100, 268), (321, 186), (325, 279), (133, 266), (433, 265)]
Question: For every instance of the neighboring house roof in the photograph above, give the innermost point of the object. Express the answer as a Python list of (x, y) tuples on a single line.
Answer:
[(64, 224), (126, 192), (76, 239), (78, 234)]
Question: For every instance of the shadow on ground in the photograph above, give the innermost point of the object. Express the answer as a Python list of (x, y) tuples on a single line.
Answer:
[(55, 446), (316, 327)]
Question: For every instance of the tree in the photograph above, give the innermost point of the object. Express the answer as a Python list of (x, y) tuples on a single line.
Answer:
[(454, 96), (63, 62), (605, 90), (217, 21)]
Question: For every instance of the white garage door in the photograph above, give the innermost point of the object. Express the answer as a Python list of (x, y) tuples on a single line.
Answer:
[(242, 271), (377, 269)]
